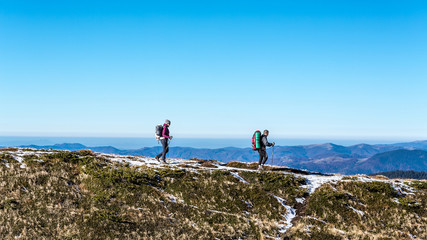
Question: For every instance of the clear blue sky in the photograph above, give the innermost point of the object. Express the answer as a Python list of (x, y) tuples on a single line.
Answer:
[(303, 69)]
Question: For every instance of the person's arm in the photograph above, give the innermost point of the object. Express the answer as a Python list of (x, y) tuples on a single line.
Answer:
[(164, 132), (265, 142)]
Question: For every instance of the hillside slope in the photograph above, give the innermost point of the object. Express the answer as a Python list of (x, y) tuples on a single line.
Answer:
[(79, 195)]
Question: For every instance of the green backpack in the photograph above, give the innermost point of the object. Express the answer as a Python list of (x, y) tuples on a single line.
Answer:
[(256, 140)]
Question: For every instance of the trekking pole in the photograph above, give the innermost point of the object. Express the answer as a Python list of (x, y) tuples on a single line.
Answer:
[(169, 142), (272, 157)]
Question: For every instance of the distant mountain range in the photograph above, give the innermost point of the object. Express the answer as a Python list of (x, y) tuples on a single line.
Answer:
[(328, 157), (403, 174)]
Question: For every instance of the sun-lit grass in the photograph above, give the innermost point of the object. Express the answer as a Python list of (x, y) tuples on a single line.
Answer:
[(80, 195)]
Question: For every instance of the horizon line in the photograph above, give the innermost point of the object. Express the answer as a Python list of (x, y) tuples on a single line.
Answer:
[(331, 138), (119, 148)]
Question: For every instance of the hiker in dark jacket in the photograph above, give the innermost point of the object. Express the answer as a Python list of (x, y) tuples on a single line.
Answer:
[(262, 150), (165, 141)]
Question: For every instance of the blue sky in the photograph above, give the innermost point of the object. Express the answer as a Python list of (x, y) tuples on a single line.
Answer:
[(302, 69)]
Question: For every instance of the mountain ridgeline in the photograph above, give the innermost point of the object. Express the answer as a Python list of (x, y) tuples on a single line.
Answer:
[(331, 158), (403, 174)]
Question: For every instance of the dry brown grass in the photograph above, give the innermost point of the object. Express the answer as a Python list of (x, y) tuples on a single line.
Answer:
[(79, 195), (380, 177), (208, 164)]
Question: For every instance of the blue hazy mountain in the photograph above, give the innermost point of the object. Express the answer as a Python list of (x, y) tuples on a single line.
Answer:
[(328, 157), (414, 145), (394, 160), (63, 146)]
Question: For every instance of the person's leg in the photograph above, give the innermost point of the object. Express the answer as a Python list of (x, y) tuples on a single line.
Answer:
[(165, 148), (157, 157), (260, 157), (265, 156)]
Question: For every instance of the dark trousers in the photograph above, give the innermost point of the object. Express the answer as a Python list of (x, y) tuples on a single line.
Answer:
[(165, 148), (262, 156)]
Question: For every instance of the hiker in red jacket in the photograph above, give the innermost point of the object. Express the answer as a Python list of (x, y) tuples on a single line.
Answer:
[(262, 152), (164, 139)]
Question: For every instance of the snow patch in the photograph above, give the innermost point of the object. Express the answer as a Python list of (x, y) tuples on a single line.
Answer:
[(308, 227), (357, 211), (290, 215), (316, 219), (145, 161), (19, 158), (172, 198), (236, 175), (249, 204), (400, 188), (315, 181)]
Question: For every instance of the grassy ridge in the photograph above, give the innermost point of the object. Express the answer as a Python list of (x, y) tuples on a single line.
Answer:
[(81, 195)]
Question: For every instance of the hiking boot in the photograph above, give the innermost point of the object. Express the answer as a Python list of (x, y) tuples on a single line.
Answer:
[(157, 158), (260, 168), (164, 161)]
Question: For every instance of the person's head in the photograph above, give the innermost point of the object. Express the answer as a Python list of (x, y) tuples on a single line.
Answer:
[(266, 132), (167, 122)]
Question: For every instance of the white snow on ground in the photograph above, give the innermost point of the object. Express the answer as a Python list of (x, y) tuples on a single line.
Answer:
[(236, 175), (233, 168), (19, 154), (400, 186), (308, 227), (317, 219), (300, 200), (249, 204), (24, 152), (145, 161), (19, 158), (291, 214), (333, 188), (364, 178), (172, 198), (357, 211), (315, 181)]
